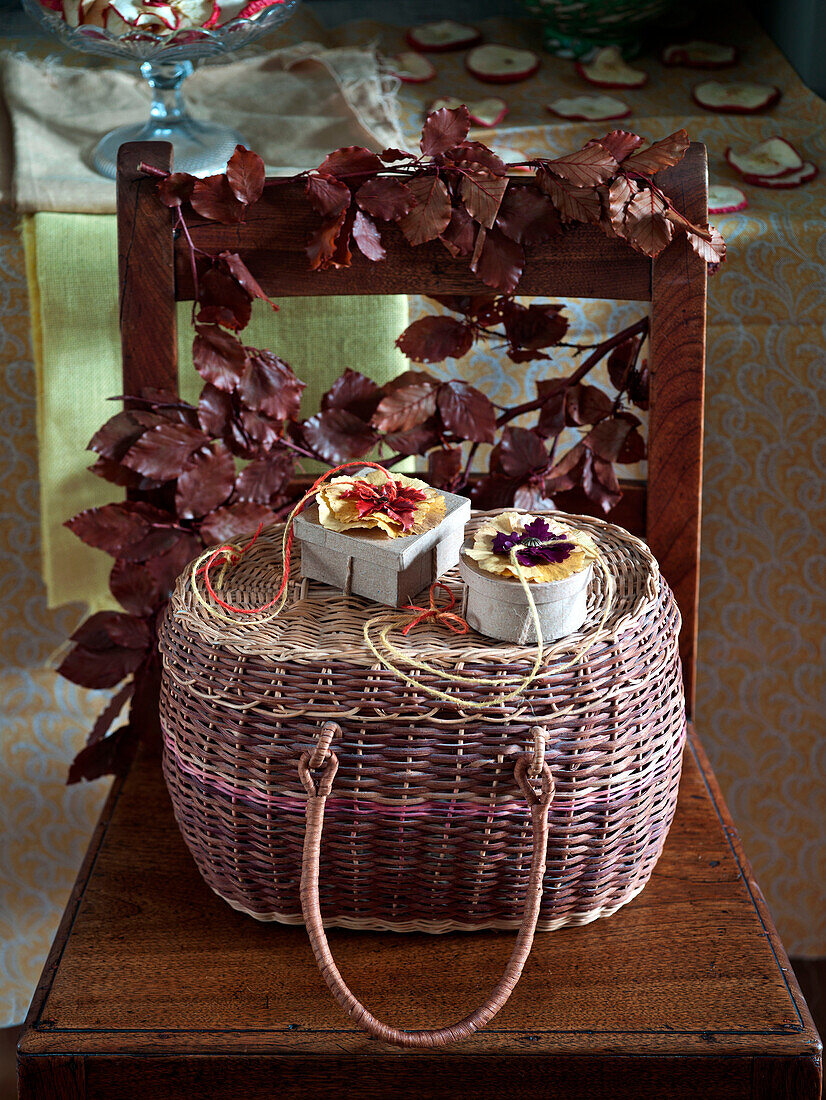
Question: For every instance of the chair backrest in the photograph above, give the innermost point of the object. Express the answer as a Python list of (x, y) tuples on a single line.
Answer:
[(582, 263)]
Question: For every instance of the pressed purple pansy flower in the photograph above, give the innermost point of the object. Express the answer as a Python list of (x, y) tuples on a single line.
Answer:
[(537, 544)]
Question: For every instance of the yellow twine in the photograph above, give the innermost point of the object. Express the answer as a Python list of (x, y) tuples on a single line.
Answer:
[(455, 678)]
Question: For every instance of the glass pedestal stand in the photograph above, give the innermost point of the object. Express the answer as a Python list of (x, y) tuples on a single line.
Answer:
[(200, 148)]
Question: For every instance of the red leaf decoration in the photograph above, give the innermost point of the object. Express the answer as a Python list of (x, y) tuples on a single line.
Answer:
[(328, 195), (109, 756), (586, 404), (143, 587), (713, 251), (354, 392), (387, 199), (646, 226), (176, 189), (133, 530), (219, 357), (521, 453), (500, 261), (213, 198), (532, 496), (206, 484), (391, 156), (410, 401), (416, 441), (352, 160), (269, 386), (337, 435), (482, 194), (245, 175), (620, 144), (633, 449), (260, 430), (116, 436), (662, 154), (620, 194), (575, 204), (165, 452), (535, 326), (265, 478), (367, 237), (460, 234), (116, 474), (603, 487), (234, 521), (527, 216), (586, 167), (444, 129), (214, 410), (573, 468), (621, 360), (323, 246), (241, 273), (552, 413), (466, 412), (494, 491), (434, 339), (99, 668), (475, 155), (431, 215), (106, 629), (223, 300), (606, 438), (110, 712), (444, 465)]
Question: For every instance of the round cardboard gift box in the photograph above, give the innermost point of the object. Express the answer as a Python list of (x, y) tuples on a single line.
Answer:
[(498, 607)]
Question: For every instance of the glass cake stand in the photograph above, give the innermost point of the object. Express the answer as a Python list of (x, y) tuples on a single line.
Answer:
[(165, 61)]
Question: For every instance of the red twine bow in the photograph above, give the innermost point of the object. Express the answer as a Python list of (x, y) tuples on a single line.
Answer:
[(443, 615)]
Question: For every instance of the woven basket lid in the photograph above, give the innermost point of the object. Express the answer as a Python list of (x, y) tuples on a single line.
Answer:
[(320, 623)]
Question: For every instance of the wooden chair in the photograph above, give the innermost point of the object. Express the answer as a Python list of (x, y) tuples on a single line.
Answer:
[(156, 988)]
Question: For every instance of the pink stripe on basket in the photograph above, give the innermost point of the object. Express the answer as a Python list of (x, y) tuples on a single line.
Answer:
[(420, 809)]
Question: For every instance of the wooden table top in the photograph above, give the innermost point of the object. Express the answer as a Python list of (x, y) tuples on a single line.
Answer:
[(156, 988)]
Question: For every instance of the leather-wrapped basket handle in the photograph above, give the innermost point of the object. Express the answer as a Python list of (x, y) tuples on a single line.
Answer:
[(317, 791)]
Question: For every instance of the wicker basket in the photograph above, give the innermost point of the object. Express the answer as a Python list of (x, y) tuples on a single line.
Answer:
[(431, 822)]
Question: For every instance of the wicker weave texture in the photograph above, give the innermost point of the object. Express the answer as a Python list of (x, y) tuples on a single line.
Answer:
[(425, 828)]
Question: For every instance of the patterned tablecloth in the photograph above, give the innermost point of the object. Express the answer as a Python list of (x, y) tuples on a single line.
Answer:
[(760, 681)]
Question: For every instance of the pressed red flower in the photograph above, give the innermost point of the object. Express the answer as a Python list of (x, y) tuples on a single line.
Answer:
[(397, 501)]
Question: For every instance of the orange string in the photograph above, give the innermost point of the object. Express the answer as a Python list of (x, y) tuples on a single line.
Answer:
[(232, 554), (443, 614)]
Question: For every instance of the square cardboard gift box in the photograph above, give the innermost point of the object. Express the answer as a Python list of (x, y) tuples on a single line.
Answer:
[(369, 563)]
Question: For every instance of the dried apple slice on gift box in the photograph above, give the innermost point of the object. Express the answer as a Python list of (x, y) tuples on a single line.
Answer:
[(608, 69), (723, 199), (496, 64), (589, 108), (735, 97), (442, 36), (775, 157), (483, 112), (699, 54), (411, 68)]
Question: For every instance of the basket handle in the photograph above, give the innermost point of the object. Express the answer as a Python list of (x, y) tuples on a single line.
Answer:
[(311, 908)]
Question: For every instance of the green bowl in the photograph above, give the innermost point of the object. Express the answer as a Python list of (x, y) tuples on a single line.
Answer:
[(575, 28)]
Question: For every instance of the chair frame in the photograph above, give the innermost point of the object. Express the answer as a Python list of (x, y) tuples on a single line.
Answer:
[(582, 263)]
